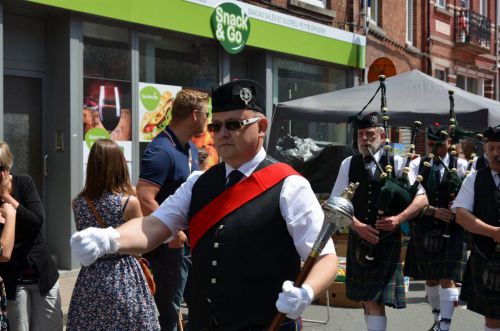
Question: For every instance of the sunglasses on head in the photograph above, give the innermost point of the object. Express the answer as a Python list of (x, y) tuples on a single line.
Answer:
[(231, 125)]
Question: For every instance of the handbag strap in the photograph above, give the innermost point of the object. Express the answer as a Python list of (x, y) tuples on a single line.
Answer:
[(96, 213)]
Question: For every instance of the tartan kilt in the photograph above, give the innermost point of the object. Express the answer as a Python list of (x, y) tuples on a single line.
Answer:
[(479, 299), (447, 264), (368, 284)]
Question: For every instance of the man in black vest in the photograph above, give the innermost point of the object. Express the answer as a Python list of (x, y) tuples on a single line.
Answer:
[(251, 220), (440, 261), (377, 282), (477, 209)]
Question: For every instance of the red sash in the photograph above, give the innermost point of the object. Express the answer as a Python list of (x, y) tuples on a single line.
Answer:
[(236, 196)]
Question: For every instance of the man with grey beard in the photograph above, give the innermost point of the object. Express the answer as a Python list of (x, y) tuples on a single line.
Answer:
[(374, 271)]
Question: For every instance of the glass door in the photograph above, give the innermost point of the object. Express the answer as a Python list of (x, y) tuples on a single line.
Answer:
[(23, 125)]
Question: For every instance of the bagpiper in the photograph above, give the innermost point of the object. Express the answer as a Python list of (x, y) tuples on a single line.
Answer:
[(437, 250), (477, 209), (374, 272)]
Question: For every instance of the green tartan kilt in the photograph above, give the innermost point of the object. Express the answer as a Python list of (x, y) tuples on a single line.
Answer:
[(382, 283), (479, 299), (447, 264)]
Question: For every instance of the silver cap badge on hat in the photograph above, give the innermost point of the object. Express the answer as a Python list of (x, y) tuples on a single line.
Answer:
[(246, 95)]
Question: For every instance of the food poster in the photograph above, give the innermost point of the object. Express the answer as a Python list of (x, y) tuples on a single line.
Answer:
[(155, 108), (107, 114)]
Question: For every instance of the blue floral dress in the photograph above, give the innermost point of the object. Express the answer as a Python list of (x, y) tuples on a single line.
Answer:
[(112, 293)]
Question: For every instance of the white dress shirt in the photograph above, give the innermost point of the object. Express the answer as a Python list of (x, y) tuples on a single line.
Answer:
[(343, 177), (465, 197), (299, 207), (461, 166)]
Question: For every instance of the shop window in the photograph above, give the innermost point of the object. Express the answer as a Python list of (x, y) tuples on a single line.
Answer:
[(409, 21), (441, 3), (180, 62), (441, 75), (106, 80), (317, 3), (293, 80)]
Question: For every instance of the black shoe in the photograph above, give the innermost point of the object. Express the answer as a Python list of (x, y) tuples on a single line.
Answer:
[(435, 327)]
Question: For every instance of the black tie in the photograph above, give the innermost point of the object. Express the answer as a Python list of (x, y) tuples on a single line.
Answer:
[(367, 159), (233, 178)]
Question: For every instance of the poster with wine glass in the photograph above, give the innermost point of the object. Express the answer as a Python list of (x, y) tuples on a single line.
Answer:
[(107, 113), (107, 107), (155, 105)]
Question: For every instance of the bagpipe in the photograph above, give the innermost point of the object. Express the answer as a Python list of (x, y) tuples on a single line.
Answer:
[(434, 239), (477, 142), (396, 193)]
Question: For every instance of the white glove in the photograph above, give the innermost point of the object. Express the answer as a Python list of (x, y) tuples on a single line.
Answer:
[(293, 300), (92, 243)]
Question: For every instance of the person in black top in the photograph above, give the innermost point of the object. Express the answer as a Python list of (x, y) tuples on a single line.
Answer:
[(477, 209), (167, 162), (30, 277)]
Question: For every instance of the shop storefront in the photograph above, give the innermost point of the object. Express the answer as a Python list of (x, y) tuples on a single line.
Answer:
[(78, 70)]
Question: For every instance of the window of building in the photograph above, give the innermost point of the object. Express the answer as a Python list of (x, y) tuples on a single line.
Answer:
[(409, 21), (469, 84), (464, 4), (293, 80), (440, 74), (373, 10), (180, 62), (441, 3), (483, 7), (317, 3)]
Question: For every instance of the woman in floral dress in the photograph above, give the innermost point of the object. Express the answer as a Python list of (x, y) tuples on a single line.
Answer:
[(111, 294)]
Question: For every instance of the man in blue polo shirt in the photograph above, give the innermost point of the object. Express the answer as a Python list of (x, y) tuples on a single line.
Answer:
[(167, 162)]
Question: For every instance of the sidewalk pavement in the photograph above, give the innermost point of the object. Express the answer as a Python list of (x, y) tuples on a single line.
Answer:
[(415, 317), (67, 279)]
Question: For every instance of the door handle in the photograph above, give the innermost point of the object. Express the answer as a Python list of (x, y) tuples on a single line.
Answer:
[(45, 157)]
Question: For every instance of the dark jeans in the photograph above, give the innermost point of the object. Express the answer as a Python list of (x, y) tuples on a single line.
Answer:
[(170, 267)]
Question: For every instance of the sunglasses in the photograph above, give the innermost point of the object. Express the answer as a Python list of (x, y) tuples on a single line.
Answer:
[(2, 167), (231, 125)]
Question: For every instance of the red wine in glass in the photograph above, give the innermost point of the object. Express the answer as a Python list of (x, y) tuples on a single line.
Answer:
[(109, 106)]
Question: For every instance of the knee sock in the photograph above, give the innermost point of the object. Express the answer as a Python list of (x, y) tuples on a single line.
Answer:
[(491, 329), (376, 323), (448, 298), (433, 297)]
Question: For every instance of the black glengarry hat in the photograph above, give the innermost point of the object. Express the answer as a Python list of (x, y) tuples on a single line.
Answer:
[(434, 132), (368, 121), (239, 94), (492, 134)]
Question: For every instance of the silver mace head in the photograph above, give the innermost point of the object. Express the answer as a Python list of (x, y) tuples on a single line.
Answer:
[(339, 210), (338, 213)]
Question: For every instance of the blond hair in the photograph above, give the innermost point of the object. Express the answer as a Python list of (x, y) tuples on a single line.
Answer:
[(186, 101), (6, 157)]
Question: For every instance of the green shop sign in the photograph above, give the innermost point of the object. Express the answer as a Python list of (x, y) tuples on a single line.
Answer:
[(231, 27)]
